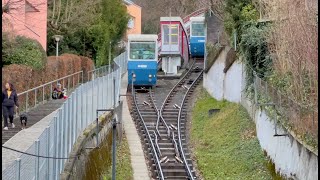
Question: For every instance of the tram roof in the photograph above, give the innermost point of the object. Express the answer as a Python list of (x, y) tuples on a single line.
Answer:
[(171, 19), (142, 37)]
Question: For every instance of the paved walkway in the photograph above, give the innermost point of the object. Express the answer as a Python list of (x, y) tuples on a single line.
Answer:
[(138, 162), (34, 115), (24, 139)]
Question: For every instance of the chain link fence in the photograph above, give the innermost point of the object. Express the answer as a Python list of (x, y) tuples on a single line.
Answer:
[(76, 113)]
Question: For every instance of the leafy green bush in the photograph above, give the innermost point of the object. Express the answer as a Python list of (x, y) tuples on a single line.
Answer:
[(108, 23), (23, 50), (241, 17)]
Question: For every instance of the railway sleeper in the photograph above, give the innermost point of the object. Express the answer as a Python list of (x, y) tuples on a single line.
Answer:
[(174, 172), (189, 160)]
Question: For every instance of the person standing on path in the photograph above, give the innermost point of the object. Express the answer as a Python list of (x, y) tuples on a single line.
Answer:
[(9, 100)]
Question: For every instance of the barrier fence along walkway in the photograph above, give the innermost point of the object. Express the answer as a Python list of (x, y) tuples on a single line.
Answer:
[(76, 113)]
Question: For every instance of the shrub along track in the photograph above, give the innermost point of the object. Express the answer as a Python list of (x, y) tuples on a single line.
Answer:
[(163, 130)]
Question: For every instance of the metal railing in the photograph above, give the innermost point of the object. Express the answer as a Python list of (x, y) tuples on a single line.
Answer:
[(104, 70), (39, 95), (76, 113), (302, 119)]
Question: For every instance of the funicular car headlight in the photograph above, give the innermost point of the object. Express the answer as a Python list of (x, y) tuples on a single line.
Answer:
[(150, 76)]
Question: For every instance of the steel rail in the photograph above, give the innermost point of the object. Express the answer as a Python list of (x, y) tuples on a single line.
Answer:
[(179, 133), (164, 102), (160, 173)]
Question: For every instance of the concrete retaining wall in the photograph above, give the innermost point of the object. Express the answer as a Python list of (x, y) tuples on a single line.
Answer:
[(77, 168), (222, 85), (290, 157)]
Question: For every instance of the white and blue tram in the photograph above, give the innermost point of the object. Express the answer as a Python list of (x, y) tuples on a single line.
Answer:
[(197, 36), (142, 59)]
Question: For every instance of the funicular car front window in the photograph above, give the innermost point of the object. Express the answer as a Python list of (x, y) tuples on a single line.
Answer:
[(142, 50), (197, 29)]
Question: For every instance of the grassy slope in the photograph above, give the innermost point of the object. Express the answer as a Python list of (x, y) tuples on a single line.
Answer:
[(123, 165), (225, 144)]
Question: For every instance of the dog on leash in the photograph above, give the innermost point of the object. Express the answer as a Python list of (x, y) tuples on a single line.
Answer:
[(23, 119)]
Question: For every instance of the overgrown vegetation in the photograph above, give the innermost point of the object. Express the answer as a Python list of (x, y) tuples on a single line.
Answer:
[(153, 10), (22, 50), (225, 144), (241, 18), (123, 165), (89, 27), (281, 49)]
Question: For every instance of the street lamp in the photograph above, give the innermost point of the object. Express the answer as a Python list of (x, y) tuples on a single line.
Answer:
[(57, 38)]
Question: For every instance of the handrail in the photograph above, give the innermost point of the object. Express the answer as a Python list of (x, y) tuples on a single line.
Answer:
[(94, 71), (179, 133), (149, 137), (49, 83)]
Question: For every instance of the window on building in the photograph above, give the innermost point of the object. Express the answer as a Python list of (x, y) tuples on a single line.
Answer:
[(166, 34), (131, 22)]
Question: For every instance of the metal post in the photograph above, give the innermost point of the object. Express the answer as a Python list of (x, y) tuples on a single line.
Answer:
[(68, 83), (82, 77), (64, 138), (86, 104), (55, 145), (43, 95), (60, 142), (97, 132), (70, 132), (103, 91), (235, 40), (114, 148), (73, 81), (98, 93), (27, 98), (37, 160), (50, 96), (48, 150), (57, 50), (35, 97), (109, 56), (92, 109), (108, 91), (73, 118), (114, 92), (18, 168), (255, 88), (81, 108), (77, 113)]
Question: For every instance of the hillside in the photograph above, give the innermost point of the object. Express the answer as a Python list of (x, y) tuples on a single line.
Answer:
[(152, 10)]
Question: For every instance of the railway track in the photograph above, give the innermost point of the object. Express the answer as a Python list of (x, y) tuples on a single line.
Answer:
[(163, 130)]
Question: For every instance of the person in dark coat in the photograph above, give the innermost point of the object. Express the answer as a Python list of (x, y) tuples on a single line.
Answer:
[(9, 100)]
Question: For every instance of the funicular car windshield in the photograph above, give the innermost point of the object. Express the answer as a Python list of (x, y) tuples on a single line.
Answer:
[(142, 50), (197, 29)]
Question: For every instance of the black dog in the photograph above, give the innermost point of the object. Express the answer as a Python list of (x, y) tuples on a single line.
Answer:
[(23, 119)]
